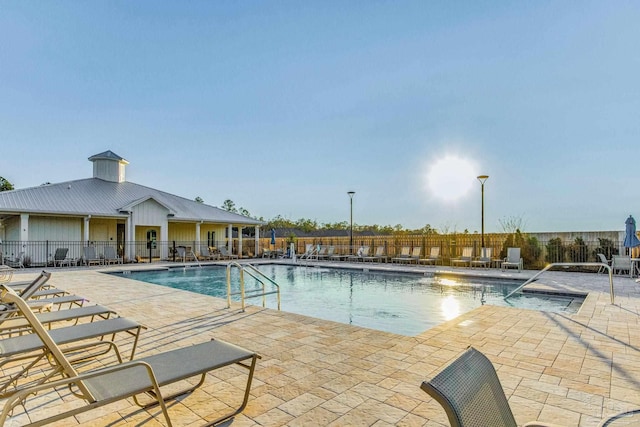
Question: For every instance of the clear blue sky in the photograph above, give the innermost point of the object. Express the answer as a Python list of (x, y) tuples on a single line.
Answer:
[(284, 106)]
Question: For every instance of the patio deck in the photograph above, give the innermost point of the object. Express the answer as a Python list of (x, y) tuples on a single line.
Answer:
[(567, 369)]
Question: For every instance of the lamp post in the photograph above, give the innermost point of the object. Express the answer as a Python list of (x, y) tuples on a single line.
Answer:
[(482, 179), (351, 193)]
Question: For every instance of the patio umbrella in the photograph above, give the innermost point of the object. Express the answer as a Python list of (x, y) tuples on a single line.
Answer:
[(273, 236), (630, 238)]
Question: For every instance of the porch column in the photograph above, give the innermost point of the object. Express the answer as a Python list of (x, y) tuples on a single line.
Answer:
[(230, 240), (257, 243), (86, 229), (24, 232), (128, 239), (164, 239), (239, 241), (197, 248)]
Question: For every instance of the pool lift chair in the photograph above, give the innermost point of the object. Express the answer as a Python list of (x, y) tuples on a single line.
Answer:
[(471, 394), (129, 379)]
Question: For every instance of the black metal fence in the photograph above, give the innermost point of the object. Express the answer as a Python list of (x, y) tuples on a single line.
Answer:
[(536, 253)]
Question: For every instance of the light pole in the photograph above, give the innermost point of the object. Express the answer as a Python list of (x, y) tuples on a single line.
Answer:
[(351, 193), (482, 179)]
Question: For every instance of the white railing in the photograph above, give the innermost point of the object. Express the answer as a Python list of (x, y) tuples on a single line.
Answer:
[(257, 275)]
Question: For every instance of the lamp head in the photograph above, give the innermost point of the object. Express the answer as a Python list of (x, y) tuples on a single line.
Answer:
[(482, 178), (351, 193)]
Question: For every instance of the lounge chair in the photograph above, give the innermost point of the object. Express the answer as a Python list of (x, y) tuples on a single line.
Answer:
[(326, 252), (363, 251), (207, 254), (110, 256), (434, 256), (90, 257), (60, 257), (416, 253), (30, 349), (465, 258), (513, 259), (484, 260), (377, 256), (129, 379), (621, 264), (603, 259), (18, 325), (471, 394), (17, 262), (225, 254), (405, 253)]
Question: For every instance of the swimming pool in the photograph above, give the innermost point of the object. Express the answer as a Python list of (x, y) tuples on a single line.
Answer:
[(405, 304)]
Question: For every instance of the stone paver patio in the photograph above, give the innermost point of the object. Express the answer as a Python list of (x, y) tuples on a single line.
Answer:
[(568, 369)]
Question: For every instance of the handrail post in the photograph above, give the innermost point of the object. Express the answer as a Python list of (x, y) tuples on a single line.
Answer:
[(228, 285), (242, 288)]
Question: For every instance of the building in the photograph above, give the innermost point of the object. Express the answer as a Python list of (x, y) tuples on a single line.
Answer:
[(107, 210)]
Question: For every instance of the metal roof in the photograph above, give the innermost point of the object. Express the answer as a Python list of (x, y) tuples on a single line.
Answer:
[(94, 196)]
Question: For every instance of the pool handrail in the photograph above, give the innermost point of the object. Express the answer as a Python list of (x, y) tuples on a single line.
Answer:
[(569, 264), (257, 275)]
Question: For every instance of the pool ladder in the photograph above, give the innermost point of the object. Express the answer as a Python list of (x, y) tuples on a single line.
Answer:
[(569, 264), (257, 275)]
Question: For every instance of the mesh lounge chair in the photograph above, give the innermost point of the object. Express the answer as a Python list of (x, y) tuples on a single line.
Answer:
[(90, 257), (471, 394), (129, 379), (363, 251), (465, 258), (484, 260), (434, 256), (17, 262), (225, 254), (377, 256), (621, 264), (60, 257), (206, 254), (405, 253), (30, 349), (603, 259), (513, 259), (110, 256)]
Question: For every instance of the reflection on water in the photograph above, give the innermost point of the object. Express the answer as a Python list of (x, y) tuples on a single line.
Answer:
[(400, 303)]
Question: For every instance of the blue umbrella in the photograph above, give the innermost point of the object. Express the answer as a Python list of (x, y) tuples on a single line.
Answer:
[(630, 238), (273, 236)]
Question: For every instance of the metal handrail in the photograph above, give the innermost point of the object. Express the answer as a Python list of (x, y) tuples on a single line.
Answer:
[(569, 264), (257, 275)]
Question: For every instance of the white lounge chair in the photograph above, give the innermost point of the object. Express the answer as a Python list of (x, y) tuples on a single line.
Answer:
[(621, 264), (464, 259), (513, 259), (484, 260), (405, 253), (434, 256)]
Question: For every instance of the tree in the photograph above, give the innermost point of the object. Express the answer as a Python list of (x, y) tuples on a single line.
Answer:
[(5, 185), (199, 199), (229, 206)]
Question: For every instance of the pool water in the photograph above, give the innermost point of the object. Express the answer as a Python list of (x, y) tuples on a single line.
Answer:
[(405, 304)]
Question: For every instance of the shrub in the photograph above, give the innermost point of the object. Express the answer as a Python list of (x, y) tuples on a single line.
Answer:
[(555, 251), (529, 248), (607, 248), (578, 250)]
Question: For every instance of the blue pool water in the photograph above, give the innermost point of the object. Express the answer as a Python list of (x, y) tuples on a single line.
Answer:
[(405, 304)]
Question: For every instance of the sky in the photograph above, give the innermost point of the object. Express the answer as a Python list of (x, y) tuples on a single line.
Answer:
[(285, 106)]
